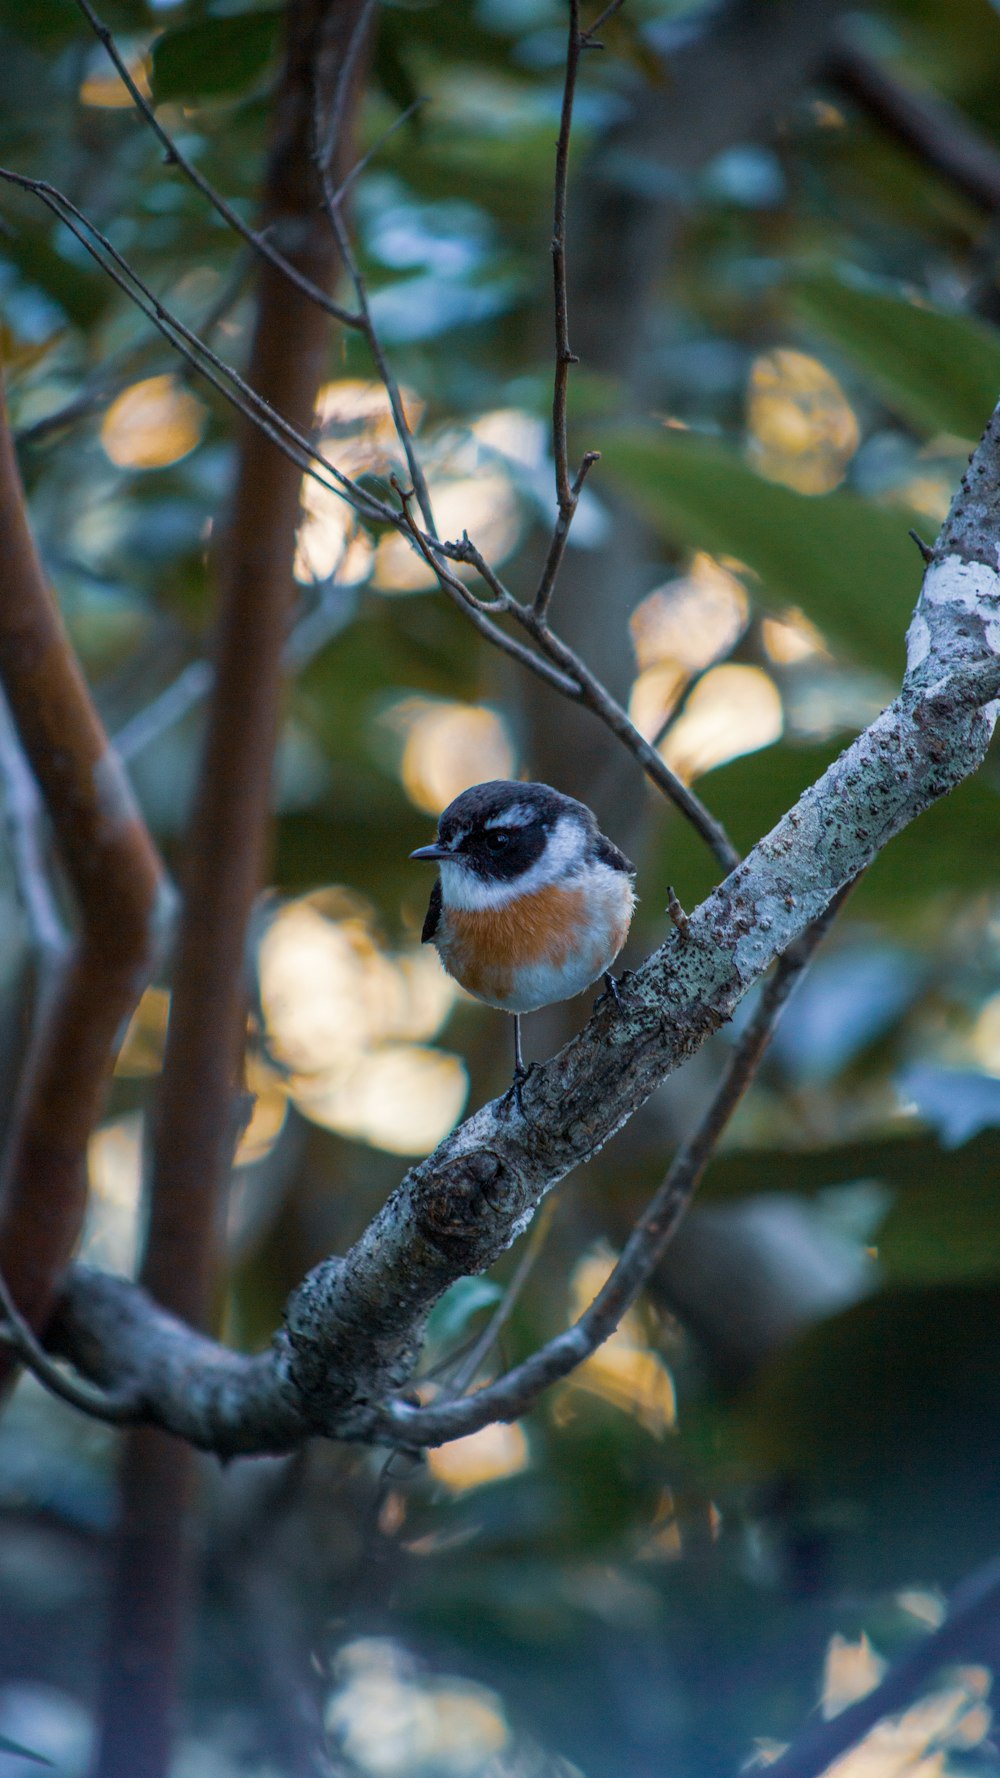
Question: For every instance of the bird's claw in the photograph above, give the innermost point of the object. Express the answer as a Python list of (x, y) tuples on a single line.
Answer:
[(612, 989), (516, 1085)]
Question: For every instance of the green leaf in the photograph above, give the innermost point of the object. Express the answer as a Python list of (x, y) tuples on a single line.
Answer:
[(847, 563), (450, 1317), (938, 371), (219, 58)]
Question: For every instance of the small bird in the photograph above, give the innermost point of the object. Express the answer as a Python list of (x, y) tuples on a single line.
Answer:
[(532, 903)]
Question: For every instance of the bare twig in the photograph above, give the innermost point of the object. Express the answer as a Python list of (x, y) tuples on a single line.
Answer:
[(567, 493), (595, 696), (511, 1395), (377, 146), (326, 134), (175, 156), (227, 381), (936, 131), (476, 610), (564, 356), (564, 670), (676, 912), (967, 1633)]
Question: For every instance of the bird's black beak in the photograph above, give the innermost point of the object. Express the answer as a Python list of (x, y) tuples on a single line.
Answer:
[(430, 854)]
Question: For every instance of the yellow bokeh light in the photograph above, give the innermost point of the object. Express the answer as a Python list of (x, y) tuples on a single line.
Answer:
[(346, 1019), (803, 430), (484, 505), (490, 1455), (654, 697), (114, 1175), (851, 1670), (690, 621), (331, 541), (986, 1036), (791, 638), (358, 414), (392, 1720), (402, 1098), (152, 424), (918, 1742), (329, 992), (447, 747), (104, 87), (623, 1371), (267, 1117), (733, 710), (141, 1053)]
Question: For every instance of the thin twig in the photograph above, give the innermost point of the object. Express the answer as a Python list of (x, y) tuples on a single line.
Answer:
[(476, 611), (968, 1632), (176, 157), (567, 493), (596, 697), (326, 140), (511, 1395), (325, 132), (564, 356), (564, 670), (221, 375), (117, 1410), (378, 145)]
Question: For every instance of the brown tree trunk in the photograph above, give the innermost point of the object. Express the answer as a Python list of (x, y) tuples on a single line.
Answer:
[(224, 868)]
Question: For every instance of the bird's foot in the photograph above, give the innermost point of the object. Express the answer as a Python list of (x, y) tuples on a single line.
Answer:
[(513, 1093), (613, 986)]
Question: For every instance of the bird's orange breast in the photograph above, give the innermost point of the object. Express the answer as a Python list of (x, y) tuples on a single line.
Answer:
[(486, 949)]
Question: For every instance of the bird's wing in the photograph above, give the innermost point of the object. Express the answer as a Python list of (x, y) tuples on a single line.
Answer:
[(609, 854), (433, 914)]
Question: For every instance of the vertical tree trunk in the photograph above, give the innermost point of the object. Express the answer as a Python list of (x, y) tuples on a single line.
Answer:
[(224, 867)]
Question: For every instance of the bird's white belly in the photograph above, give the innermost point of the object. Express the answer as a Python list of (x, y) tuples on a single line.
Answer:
[(540, 984)]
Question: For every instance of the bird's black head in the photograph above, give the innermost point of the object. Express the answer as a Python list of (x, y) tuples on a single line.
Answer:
[(499, 831)]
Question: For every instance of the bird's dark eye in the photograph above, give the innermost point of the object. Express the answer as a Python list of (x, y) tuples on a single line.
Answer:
[(497, 840)]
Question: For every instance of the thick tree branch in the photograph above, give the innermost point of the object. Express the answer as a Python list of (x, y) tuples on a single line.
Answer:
[(354, 1327), (118, 886), (512, 1395)]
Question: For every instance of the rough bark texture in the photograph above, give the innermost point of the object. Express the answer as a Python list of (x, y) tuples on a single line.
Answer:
[(354, 1325)]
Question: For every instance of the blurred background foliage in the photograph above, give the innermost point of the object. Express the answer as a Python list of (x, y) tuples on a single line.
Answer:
[(756, 1492)]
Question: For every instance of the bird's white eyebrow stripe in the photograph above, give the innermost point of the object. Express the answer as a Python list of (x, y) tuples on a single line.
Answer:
[(518, 815)]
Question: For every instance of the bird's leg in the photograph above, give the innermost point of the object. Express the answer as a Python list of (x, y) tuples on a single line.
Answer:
[(520, 1071)]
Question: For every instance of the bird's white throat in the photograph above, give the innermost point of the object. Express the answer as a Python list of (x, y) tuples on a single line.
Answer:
[(465, 889)]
